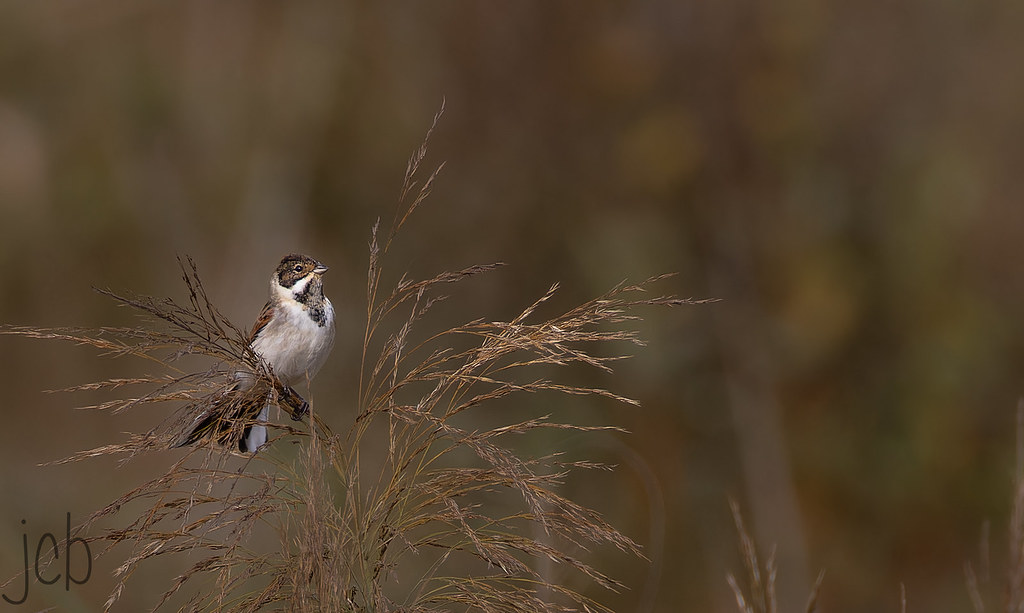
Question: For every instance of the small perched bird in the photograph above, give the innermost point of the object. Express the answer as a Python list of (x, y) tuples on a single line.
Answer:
[(293, 334)]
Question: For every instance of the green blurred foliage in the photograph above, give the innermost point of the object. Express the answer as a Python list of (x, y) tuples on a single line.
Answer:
[(843, 175)]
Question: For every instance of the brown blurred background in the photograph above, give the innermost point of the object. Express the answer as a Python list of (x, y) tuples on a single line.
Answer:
[(843, 175)]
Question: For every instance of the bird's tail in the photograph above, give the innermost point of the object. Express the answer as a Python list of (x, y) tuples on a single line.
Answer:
[(231, 418), (238, 415)]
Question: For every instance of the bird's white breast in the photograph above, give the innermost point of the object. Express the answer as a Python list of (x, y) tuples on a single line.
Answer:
[(293, 344)]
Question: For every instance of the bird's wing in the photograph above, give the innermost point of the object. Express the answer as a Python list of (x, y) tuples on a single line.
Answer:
[(261, 322)]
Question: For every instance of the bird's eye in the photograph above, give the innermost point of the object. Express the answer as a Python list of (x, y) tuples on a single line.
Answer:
[(298, 268)]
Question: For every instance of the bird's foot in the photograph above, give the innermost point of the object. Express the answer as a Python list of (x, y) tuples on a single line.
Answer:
[(301, 411), (299, 406)]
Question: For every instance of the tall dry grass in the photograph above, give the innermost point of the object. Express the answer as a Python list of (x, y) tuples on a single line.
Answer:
[(413, 506), (758, 595)]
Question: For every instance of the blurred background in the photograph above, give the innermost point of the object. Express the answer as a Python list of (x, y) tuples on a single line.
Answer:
[(844, 176)]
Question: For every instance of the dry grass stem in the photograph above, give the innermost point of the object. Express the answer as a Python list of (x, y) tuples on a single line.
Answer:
[(760, 596)]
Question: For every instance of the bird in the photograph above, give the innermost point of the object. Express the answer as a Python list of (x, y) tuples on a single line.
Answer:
[(293, 334)]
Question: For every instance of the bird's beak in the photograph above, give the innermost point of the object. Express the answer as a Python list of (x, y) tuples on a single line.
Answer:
[(320, 269)]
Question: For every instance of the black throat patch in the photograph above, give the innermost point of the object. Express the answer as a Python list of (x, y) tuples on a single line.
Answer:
[(312, 298), (312, 293)]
